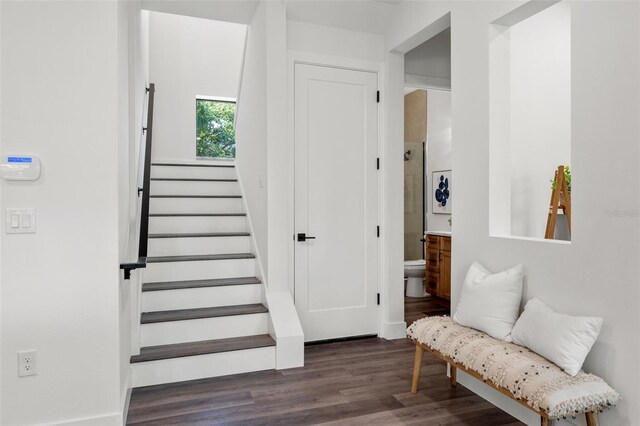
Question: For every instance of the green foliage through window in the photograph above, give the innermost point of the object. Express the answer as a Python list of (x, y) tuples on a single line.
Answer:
[(215, 134)]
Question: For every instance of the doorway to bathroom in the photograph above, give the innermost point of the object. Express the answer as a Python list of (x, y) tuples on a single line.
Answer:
[(428, 175)]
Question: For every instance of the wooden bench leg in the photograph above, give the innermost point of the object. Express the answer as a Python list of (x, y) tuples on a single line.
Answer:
[(417, 364), (544, 421), (452, 375), (592, 418)]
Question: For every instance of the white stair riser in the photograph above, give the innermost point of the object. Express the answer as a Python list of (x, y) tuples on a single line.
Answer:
[(182, 224), (166, 333), (196, 205), (160, 187), (199, 270), (199, 245), (187, 298), (202, 366), (193, 172)]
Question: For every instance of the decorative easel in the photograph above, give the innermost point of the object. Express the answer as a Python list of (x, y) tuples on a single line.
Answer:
[(560, 199)]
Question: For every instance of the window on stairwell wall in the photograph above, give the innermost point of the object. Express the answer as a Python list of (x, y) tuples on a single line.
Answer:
[(215, 131)]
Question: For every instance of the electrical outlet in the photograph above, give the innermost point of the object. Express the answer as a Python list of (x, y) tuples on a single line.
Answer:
[(27, 363)]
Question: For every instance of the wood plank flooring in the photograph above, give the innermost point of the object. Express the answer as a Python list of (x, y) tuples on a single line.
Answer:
[(343, 383), (420, 307)]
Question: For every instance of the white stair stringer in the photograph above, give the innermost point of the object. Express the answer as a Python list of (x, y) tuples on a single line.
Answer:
[(203, 366), (166, 333)]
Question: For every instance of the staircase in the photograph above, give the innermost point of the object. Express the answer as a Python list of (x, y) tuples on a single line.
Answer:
[(202, 312)]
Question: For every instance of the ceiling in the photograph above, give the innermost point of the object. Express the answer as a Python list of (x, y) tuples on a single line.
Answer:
[(369, 16), (432, 58), (238, 11)]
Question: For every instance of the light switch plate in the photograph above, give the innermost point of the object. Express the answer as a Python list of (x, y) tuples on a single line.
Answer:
[(27, 221)]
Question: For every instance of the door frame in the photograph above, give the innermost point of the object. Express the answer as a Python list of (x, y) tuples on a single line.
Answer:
[(298, 57)]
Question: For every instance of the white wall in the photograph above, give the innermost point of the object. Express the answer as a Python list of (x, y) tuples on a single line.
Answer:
[(438, 153), (279, 176), (262, 144), (358, 50), (124, 192), (391, 282), (132, 81), (251, 131), (305, 37), (1, 209), (189, 57), (580, 278), (540, 57), (271, 37), (262, 163), (60, 293)]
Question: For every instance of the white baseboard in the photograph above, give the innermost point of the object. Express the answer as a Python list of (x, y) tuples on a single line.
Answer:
[(114, 419), (499, 400), (393, 330)]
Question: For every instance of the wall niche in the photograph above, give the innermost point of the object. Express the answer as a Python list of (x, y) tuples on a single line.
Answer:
[(530, 117)]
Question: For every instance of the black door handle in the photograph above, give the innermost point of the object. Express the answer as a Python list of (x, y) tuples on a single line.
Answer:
[(303, 237)]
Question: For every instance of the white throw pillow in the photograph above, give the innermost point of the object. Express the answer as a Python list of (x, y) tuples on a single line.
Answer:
[(563, 339), (490, 302)]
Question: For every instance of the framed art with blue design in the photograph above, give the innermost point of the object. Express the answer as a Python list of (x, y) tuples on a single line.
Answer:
[(441, 192)]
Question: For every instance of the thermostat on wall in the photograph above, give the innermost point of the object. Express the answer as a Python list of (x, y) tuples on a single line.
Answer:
[(20, 167)]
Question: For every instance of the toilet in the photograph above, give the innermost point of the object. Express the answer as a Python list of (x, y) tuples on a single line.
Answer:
[(414, 271)]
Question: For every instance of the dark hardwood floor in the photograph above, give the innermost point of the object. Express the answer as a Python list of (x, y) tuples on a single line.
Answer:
[(342, 383), (420, 307)]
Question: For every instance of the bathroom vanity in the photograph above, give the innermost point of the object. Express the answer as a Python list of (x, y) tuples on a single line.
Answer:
[(438, 255)]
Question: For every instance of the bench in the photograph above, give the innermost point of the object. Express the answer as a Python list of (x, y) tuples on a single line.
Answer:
[(512, 370)]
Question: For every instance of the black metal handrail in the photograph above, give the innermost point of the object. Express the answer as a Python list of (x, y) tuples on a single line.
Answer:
[(146, 185)]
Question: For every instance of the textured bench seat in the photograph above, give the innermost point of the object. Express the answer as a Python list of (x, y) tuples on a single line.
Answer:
[(515, 371)]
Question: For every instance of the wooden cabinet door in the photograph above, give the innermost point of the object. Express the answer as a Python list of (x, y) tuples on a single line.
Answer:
[(432, 283), (434, 242), (433, 260), (444, 289)]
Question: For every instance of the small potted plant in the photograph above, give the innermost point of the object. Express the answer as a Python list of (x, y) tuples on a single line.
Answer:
[(567, 178)]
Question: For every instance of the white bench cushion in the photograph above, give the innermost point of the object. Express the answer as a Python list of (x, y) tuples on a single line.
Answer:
[(527, 375)]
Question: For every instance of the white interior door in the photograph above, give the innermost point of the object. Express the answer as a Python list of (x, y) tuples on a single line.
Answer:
[(336, 197)]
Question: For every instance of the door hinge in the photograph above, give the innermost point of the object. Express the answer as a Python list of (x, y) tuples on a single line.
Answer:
[(378, 96), (378, 231), (378, 298), (378, 163)]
